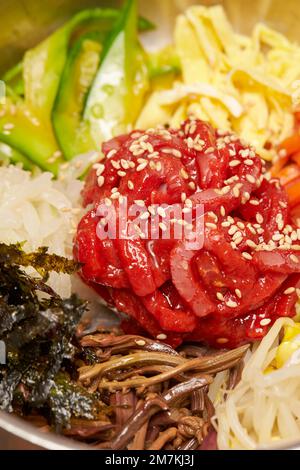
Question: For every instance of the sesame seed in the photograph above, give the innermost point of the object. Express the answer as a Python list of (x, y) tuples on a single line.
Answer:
[(231, 304), (277, 236), (246, 196), (153, 154), (282, 153), (248, 162), (222, 340), (183, 197), (240, 225), (233, 245), (8, 126), (236, 191), (294, 258), (115, 195), (139, 202), (252, 229), (210, 225), (253, 202), (288, 240), (244, 153), (121, 173), (238, 293), (280, 225), (107, 202), (267, 176), (192, 185), (294, 236), (161, 212), (149, 147), (142, 166), (124, 164), (225, 189), (138, 152), (114, 190), (130, 184), (246, 255), (143, 138), (188, 203), (137, 229), (290, 290), (213, 215), (265, 322), (225, 224), (111, 153), (140, 342), (251, 244), (220, 296), (180, 222), (158, 166), (177, 153), (100, 181), (259, 218), (193, 128), (161, 336), (131, 165), (115, 164), (250, 179), (283, 204), (186, 210), (151, 210), (145, 216), (232, 179), (236, 236), (64, 166), (162, 226), (234, 163), (232, 230), (238, 240), (184, 174), (174, 152), (222, 211)]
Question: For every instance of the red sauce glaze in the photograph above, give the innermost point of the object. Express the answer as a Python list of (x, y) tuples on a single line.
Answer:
[(244, 277)]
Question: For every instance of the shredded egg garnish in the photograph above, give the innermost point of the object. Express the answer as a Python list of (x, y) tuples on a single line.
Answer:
[(245, 84)]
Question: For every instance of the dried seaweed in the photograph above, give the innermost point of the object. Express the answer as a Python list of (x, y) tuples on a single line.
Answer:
[(38, 334), (40, 260)]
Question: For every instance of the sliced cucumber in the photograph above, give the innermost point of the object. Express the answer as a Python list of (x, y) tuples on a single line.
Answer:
[(116, 95), (72, 133), (10, 155)]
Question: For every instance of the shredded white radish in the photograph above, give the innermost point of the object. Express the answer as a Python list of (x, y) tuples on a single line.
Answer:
[(40, 212)]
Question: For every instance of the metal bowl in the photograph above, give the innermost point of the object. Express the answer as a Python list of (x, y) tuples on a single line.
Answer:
[(24, 23)]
